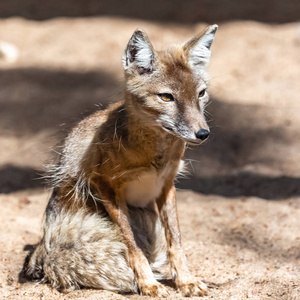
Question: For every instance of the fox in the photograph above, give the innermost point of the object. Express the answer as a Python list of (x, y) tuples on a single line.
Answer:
[(111, 221)]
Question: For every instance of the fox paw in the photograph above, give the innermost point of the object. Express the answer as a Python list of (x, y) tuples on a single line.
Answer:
[(154, 290), (192, 287)]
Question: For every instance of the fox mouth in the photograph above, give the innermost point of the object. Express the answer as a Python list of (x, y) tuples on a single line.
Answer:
[(193, 142), (168, 129), (189, 141)]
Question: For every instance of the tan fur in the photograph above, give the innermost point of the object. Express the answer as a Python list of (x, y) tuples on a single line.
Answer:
[(112, 221)]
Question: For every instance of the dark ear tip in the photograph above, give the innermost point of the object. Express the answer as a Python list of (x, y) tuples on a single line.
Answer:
[(212, 28), (139, 32)]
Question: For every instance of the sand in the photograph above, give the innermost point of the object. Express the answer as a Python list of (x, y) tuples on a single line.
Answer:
[(240, 206)]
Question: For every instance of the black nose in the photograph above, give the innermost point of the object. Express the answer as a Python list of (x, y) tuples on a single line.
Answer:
[(202, 134)]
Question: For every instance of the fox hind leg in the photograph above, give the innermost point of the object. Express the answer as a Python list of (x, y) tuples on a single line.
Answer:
[(81, 250), (87, 250)]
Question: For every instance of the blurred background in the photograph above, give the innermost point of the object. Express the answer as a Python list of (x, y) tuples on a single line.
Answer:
[(189, 11), (61, 61), (67, 63)]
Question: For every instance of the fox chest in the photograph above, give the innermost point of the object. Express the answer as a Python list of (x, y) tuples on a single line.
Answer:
[(146, 187)]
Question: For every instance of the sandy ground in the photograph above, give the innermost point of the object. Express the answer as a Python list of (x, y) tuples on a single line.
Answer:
[(239, 209)]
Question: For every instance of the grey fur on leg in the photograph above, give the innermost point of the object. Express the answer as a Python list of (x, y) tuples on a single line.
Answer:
[(149, 234)]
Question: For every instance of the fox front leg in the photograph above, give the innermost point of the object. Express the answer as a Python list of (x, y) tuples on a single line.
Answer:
[(185, 282), (147, 284)]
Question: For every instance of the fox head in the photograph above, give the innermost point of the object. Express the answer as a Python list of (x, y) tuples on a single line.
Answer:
[(168, 89)]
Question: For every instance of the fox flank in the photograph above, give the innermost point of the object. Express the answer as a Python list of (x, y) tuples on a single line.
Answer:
[(111, 222)]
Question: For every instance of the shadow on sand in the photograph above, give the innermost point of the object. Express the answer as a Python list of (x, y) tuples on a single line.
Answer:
[(244, 184), (34, 100)]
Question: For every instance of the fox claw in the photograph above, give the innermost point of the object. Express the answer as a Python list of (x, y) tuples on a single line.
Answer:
[(192, 288), (154, 290)]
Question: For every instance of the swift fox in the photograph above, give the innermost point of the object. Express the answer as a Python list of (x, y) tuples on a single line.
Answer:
[(111, 222)]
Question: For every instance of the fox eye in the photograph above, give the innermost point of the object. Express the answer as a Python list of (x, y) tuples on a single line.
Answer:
[(202, 93), (166, 97)]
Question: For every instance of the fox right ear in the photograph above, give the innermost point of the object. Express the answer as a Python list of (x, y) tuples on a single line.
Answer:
[(139, 53), (197, 49)]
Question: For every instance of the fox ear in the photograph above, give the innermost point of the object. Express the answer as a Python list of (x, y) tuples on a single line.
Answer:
[(197, 49), (139, 53)]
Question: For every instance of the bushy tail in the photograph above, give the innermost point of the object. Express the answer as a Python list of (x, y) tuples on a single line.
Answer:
[(84, 249), (81, 250)]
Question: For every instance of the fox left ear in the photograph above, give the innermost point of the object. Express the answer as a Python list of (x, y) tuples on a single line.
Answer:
[(197, 49), (139, 53)]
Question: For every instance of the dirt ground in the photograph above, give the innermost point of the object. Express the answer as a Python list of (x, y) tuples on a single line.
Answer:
[(240, 207)]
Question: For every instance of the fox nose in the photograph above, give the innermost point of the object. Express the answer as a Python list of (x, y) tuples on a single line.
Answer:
[(202, 134)]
